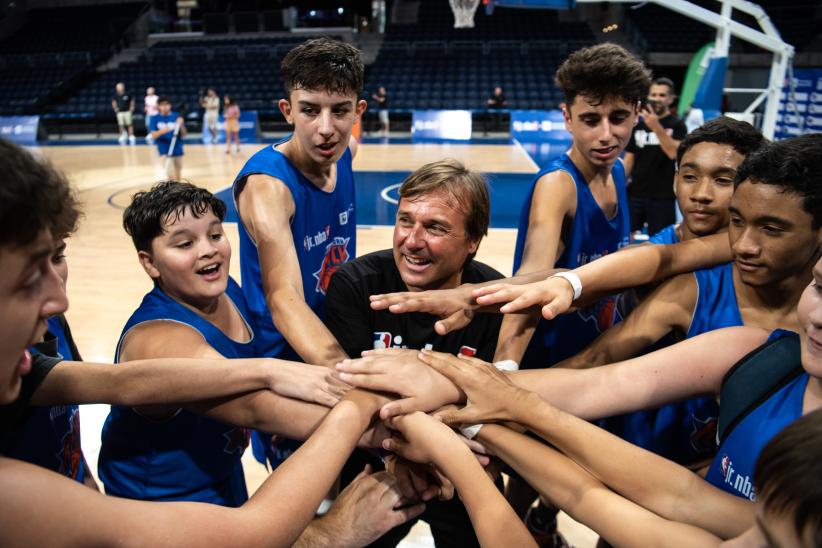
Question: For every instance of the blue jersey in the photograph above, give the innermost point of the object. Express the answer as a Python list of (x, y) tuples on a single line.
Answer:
[(158, 121), (591, 236), (665, 236), (50, 436), (685, 432), (732, 468), (187, 456), (324, 230)]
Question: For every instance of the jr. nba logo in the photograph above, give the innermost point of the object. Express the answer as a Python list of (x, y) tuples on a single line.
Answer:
[(382, 339), (726, 461)]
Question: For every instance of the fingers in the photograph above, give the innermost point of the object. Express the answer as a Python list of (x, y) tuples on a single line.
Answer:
[(368, 364), (456, 321), (446, 487), (397, 408), (461, 416), (365, 472), (446, 364), (488, 290), (378, 383), (405, 485), (402, 515), (325, 399), (389, 301), (523, 301)]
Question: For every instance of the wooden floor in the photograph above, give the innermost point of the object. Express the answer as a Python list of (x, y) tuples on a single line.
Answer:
[(106, 282)]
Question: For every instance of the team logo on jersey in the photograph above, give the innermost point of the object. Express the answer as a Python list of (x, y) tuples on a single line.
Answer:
[(70, 453), (726, 466), (236, 440), (601, 313), (336, 255), (742, 484), (382, 339), (468, 351)]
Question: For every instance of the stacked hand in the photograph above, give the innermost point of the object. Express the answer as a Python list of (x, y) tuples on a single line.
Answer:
[(554, 296)]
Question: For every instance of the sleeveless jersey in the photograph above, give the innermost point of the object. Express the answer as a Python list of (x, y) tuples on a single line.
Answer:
[(665, 236), (187, 456), (732, 468), (50, 436), (685, 432), (592, 235), (324, 229)]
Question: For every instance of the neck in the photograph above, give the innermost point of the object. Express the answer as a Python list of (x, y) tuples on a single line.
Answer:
[(813, 395), (320, 175), (685, 234), (205, 308), (591, 172), (778, 296)]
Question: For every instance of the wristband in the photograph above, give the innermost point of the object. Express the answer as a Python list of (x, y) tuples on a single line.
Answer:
[(506, 365), (573, 279), (472, 430)]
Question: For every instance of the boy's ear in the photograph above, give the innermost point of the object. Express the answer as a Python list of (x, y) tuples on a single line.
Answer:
[(147, 262), (285, 108)]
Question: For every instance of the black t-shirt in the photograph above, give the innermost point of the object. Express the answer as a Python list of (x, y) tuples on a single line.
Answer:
[(497, 101), (383, 103), (13, 414), (357, 327), (123, 101), (653, 172)]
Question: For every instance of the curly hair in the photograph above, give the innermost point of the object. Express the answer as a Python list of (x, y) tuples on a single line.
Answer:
[(603, 72)]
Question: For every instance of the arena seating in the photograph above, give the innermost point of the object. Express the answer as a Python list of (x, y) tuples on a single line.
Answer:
[(430, 64), (48, 55)]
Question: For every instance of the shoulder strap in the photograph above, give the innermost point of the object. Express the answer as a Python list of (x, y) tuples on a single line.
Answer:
[(754, 379)]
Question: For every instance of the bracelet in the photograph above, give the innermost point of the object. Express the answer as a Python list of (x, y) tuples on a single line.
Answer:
[(472, 430), (573, 279)]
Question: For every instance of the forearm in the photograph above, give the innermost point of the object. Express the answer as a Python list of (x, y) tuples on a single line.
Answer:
[(303, 330), (570, 487), (311, 470), (266, 411), (655, 483), (150, 382), (494, 521), (645, 264), (666, 142), (514, 336), (315, 534)]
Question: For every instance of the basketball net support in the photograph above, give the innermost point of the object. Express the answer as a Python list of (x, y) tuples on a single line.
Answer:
[(767, 38)]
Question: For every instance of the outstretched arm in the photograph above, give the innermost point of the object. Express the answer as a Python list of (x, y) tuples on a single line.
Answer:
[(423, 439), (38, 506), (570, 487), (266, 207), (657, 484), (630, 267)]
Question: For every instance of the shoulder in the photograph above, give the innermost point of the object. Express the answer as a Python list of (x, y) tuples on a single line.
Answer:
[(367, 269), (161, 339)]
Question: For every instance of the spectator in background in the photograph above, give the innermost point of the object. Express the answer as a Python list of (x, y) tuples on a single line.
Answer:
[(150, 110), (381, 98), (649, 159), (231, 113), (123, 105), (496, 101), (211, 103)]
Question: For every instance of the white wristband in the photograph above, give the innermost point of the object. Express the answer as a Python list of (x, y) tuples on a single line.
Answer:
[(573, 279), (472, 430)]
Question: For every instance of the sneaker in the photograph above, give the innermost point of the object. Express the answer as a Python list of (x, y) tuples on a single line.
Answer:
[(122, 139), (541, 522), (132, 140)]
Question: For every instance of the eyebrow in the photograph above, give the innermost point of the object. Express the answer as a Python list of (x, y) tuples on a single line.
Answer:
[(346, 103), (765, 218), (694, 165), (767, 534)]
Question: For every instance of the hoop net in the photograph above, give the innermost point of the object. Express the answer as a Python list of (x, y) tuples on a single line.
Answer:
[(464, 11)]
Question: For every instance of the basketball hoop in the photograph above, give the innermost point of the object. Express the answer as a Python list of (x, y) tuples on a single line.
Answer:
[(464, 11)]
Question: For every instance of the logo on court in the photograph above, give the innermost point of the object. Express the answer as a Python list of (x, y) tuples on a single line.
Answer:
[(336, 255)]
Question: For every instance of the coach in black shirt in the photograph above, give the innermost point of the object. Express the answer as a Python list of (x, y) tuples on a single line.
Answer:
[(442, 215)]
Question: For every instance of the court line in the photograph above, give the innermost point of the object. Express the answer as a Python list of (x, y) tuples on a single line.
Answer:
[(525, 152)]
